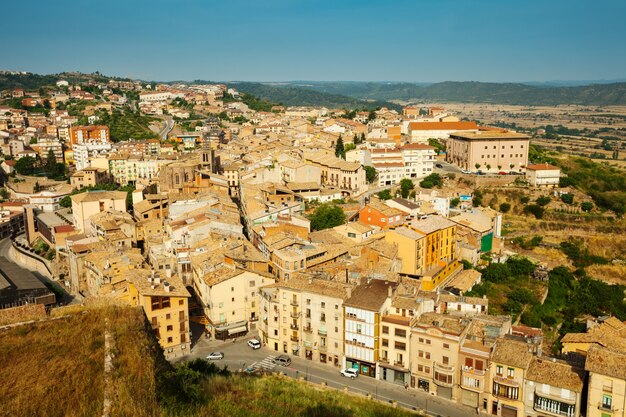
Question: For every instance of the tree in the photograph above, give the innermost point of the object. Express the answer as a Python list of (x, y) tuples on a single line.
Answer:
[(505, 207), (371, 116), (586, 206), (544, 200), (356, 139), (385, 194), (66, 202), (25, 165), (534, 209), (37, 187), (340, 151), (477, 165), (567, 198), (327, 215), (455, 202), (433, 180), (370, 174), (488, 167), (406, 185), (50, 163)]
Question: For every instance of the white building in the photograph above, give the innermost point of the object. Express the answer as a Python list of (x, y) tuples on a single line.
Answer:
[(83, 152), (543, 175)]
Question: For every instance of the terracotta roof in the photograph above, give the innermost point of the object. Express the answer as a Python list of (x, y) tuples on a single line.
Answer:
[(370, 295), (606, 361), (443, 126), (512, 352), (555, 373)]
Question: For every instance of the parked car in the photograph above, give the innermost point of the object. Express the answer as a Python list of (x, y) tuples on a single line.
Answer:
[(254, 344), (350, 373), (438, 166), (213, 356), (503, 173), (282, 360), (465, 171)]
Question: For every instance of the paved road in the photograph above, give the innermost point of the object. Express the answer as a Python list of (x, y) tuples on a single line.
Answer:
[(168, 125), (239, 356)]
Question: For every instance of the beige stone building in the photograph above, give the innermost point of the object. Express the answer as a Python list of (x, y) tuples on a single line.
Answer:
[(553, 387), (543, 175), (303, 316), (87, 204), (607, 382), (89, 177), (488, 151)]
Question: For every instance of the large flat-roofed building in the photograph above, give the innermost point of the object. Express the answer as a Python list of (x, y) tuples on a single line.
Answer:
[(19, 286), (488, 151)]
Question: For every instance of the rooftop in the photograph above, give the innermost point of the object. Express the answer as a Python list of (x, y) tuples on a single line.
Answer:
[(555, 373), (606, 361), (512, 352), (370, 295)]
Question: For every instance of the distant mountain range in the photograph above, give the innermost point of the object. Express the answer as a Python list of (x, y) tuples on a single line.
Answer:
[(369, 95), (478, 92)]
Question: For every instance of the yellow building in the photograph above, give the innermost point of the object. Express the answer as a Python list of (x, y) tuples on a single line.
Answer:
[(428, 250), (165, 302), (509, 363), (606, 395), (610, 333)]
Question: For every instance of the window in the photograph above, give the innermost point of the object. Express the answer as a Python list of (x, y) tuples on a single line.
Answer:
[(170, 328), (499, 370), (168, 316), (323, 305), (510, 372), (446, 346), (400, 345), (607, 402), (400, 332), (385, 329), (386, 342), (170, 340), (181, 302), (251, 283), (445, 360), (359, 328)]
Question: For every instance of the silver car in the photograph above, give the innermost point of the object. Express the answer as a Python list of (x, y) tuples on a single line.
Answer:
[(213, 356)]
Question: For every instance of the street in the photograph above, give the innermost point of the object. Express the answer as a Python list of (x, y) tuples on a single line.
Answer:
[(168, 125), (239, 355)]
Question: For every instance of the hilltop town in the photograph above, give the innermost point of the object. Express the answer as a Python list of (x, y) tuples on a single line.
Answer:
[(440, 256)]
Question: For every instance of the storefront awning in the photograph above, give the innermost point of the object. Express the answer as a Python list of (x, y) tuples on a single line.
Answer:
[(236, 330)]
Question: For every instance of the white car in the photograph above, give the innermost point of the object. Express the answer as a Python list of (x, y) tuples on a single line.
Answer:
[(254, 344), (350, 373), (215, 356)]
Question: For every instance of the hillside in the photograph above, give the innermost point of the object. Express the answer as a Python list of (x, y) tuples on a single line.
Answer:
[(31, 81), (298, 96), (477, 92), (56, 368)]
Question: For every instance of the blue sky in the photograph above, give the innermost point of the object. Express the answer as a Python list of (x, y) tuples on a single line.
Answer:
[(281, 40)]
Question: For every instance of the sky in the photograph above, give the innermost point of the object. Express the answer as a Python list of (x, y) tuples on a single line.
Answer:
[(285, 40)]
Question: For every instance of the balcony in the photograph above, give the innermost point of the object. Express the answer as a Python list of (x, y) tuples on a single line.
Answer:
[(471, 371), (308, 329), (294, 303), (323, 348), (399, 363), (295, 314), (322, 332), (510, 382), (294, 327), (446, 369), (606, 407), (295, 339)]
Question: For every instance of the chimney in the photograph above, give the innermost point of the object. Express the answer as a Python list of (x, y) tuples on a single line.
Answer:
[(166, 286), (348, 291), (389, 291), (347, 281)]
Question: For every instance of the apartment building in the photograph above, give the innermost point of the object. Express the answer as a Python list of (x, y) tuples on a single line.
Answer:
[(378, 214), (93, 133), (85, 205), (509, 364), (488, 151), (89, 177), (440, 257), (606, 395), (335, 172), (475, 358), (553, 387), (165, 301), (362, 316), (228, 294), (543, 175), (82, 153), (418, 159), (435, 341), (127, 169), (303, 316), (410, 244)]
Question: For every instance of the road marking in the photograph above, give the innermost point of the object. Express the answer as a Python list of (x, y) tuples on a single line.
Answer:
[(268, 364)]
